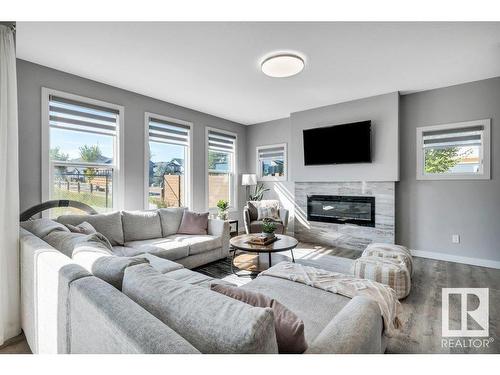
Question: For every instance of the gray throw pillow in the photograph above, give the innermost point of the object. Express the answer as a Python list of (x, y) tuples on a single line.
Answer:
[(253, 210), (289, 328), (171, 219), (109, 224), (42, 227), (193, 223), (83, 228), (141, 225), (68, 242)]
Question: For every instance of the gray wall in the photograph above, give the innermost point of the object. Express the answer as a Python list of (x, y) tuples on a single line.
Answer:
[(382, 110), (32, 77), (429, 212), (266, 133)]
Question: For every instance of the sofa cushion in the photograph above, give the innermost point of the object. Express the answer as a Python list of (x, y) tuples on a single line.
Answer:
[(141, 225), (125, 251), (68, 242), (171, 219), (42, 227), (162, 265), (193, 223), (315, 307), (202, 243), (211, 322), (110, 225), (171, 248), (195, 278), (289, 328), (106, 267)]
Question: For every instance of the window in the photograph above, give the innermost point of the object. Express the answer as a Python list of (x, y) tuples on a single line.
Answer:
[(454, 151), (221, 167), (81, 150), (168, 162), (271, 162)]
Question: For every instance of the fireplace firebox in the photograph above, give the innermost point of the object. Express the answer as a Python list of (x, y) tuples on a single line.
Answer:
[(340, 209)]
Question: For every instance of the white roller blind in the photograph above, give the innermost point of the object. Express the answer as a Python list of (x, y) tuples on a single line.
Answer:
[(277, 152), (168, 132), (460, 137), (74, 115), (221, 141)]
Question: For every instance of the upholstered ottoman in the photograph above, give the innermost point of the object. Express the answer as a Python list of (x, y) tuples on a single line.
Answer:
[(389, 271), (390, 251)]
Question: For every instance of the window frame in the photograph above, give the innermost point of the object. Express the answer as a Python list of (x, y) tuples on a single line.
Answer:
[(285, 163), (188, 188), (485, 152), (118, 147), (233, 191)]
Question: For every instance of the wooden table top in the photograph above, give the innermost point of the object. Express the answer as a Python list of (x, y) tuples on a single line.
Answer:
[(282, 244)]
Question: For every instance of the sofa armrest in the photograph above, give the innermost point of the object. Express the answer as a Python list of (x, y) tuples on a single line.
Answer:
[(246, 220), (46, 276), (356, 329), (220, 228), (284, 214)]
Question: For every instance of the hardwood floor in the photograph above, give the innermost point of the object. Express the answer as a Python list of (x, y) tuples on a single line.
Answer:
[(420, 312)]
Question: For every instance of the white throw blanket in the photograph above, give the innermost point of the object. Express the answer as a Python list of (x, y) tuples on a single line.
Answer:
[(345, 285)]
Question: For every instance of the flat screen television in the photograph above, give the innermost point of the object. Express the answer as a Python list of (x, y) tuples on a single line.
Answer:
[(338, 144)]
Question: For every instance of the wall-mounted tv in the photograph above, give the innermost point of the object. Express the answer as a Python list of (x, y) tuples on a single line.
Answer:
[(338, 144)]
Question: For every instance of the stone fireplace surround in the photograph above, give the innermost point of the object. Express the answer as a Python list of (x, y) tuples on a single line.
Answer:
[(346, 236)]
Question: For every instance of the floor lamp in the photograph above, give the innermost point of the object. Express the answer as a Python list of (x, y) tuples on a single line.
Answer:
[(248, 180)]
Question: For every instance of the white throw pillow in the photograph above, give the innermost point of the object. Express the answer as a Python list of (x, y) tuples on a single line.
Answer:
[(268, 213)]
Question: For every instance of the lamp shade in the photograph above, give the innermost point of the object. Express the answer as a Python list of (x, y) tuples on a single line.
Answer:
[(248, 179)]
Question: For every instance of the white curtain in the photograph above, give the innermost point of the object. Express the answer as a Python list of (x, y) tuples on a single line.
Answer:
[(9, 190)]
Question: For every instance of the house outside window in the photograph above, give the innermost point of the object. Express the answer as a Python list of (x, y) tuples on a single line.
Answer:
[(272, 162), (454, 151), (168, 179), (81, 151), (221, 167)]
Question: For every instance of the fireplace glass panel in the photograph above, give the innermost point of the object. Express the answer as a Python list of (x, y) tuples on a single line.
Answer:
[(341, 209)]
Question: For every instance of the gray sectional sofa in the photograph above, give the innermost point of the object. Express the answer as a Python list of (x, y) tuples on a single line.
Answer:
[(155, 232), (161, 306)]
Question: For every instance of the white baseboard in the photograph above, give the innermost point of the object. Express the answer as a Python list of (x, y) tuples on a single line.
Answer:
[(457, 259)]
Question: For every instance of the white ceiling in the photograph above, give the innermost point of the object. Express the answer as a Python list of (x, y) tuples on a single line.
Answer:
[(214, 67)]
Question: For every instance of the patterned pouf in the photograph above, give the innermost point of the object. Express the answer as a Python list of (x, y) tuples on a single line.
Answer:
[(390, 251), (389, 271)]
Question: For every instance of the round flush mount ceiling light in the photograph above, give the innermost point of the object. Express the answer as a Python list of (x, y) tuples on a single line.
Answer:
[(282, 65)]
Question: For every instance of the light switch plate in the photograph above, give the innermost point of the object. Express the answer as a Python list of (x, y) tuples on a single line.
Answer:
[(455, 238)]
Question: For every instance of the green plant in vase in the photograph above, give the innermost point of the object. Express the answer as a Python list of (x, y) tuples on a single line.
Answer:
[(268, 227), (223, 207)]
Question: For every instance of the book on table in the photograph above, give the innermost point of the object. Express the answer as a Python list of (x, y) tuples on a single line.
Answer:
[(260, 239)]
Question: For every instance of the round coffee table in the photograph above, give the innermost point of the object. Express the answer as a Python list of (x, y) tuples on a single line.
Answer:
[(240, 243)]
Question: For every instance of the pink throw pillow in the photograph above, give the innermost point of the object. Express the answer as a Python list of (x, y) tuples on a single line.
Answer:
[(193, 223), (289, 328)]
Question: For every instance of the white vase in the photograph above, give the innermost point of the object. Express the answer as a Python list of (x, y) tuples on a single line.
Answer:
[(222, 215)]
